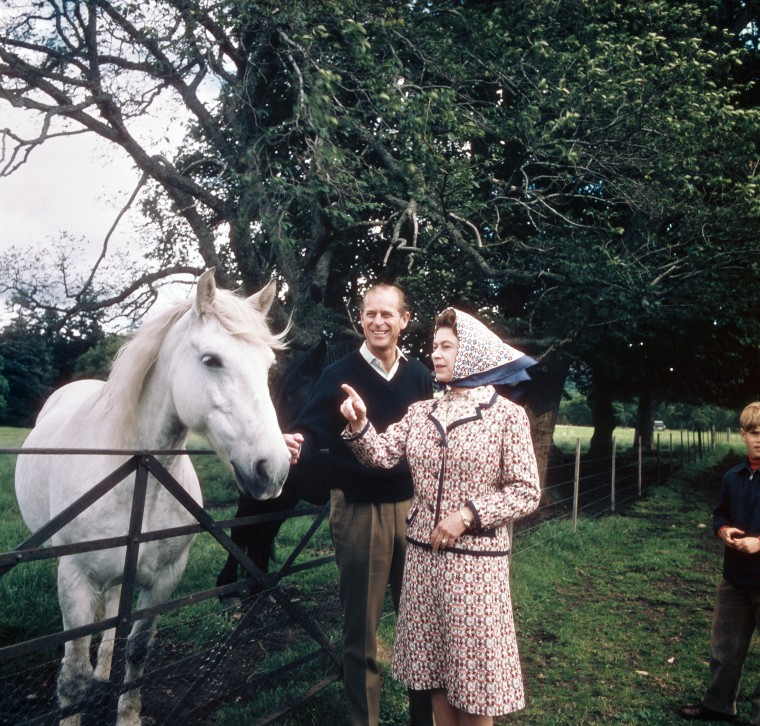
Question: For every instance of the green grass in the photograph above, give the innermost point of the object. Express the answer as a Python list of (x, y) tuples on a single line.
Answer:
[(565, 438), (613, 620), (618, 613)]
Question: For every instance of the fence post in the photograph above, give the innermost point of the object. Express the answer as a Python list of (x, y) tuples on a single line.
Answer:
[(670, 451), (658, 459), (639, 464), (612, 489), (682, 449), (576, 488), (121, 633)]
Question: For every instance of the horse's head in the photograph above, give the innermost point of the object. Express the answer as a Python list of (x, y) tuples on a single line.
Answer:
[(219, 379)]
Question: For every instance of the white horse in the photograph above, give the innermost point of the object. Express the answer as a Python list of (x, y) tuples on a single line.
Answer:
[(201, 366)]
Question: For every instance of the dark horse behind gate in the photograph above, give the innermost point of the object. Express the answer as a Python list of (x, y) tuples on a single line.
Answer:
[(303, 483)]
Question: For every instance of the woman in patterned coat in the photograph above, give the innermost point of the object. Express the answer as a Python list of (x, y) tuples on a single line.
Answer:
[(474, 471)]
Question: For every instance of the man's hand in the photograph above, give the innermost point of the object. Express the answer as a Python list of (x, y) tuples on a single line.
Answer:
[(293, 442), (353, 409)]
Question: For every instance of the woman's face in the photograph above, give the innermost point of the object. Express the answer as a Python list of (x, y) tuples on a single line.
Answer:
[(444, 354)]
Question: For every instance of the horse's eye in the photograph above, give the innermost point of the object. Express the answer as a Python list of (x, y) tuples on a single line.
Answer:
[(211, 361)]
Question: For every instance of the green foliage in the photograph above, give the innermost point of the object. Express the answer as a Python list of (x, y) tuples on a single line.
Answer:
[(28, 606), (574, 410), (38, 356), (96, 362), (4, 389), (583, 176), (686, 416), (29, 371)]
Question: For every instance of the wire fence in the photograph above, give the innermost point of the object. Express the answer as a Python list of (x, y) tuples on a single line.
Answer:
[(582, 487), (196, 662)]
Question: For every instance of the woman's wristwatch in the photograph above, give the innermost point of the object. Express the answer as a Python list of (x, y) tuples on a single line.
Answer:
[(466, 519)]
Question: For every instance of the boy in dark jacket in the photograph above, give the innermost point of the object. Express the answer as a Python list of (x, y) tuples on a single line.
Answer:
[(736, 520)]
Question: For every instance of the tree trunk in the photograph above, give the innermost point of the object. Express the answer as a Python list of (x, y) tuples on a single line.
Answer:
[(604, 415), (542, 404), (644, 422)]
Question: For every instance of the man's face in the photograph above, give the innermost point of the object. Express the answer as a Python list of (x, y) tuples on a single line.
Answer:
[(381, 320), (751, 438)]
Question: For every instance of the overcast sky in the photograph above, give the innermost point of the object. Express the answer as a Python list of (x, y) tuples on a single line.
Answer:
[(74, 185)]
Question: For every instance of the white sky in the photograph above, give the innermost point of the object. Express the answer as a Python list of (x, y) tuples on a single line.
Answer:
[(75, 185)]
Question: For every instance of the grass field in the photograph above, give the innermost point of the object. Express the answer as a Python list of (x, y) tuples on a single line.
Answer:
[(613, 620), (566, 436)]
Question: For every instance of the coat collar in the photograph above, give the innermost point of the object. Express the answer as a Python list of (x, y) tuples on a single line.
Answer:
[(458, 407)]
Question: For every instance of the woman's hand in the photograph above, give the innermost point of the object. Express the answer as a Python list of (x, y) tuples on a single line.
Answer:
[(353, 409), (449, 529)]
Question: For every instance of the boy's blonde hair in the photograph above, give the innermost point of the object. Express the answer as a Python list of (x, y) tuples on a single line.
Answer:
[(750, 417)]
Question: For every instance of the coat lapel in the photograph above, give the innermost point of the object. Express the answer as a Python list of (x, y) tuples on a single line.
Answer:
[(461, 407)]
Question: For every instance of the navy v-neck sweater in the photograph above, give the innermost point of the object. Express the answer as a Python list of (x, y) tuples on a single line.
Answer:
[(387, 401)]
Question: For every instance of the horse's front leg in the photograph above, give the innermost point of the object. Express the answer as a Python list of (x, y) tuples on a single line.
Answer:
[(105, 649), (143, 632), (78, 600), (139, 644)]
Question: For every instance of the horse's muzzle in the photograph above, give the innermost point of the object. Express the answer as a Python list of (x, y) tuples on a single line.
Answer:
[(264, 481)]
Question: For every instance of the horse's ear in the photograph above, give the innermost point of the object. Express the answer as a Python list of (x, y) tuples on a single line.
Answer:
[(205, 292), (262, 300)]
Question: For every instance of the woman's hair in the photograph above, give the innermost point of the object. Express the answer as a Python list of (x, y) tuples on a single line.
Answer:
[(750, 417), (447, 319)]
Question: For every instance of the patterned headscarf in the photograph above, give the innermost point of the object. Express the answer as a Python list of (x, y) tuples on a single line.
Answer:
[(484, 359)]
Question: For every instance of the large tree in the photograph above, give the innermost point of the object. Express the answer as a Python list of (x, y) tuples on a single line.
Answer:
[(565, 170)]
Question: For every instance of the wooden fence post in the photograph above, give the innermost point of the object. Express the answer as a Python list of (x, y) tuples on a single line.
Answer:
[(576, 489), (658, 459), (612, 489)]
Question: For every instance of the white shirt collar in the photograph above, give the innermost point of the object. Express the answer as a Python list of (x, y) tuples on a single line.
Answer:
[(377, 365)]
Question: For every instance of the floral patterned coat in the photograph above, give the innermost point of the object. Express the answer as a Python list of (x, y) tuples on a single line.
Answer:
[(472, 447)]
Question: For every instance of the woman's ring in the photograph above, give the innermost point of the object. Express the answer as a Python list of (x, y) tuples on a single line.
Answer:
[(444, 541)]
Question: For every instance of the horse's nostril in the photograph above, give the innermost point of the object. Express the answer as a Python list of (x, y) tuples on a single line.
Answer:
[(263, 470)]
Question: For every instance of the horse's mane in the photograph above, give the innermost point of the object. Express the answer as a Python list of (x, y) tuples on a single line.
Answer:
[(135, 359)]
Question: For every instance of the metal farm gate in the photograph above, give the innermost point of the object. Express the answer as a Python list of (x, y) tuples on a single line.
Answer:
[(275, 641)]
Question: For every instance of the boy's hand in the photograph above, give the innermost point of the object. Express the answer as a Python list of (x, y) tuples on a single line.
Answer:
[(731, 536), (748, 545)]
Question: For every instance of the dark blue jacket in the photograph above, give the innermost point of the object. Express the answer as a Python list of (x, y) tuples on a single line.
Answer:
[(738, 505), (321, 424)]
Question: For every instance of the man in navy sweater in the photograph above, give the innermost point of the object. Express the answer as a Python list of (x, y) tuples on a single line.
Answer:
[(368, 507), (736, 520)]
